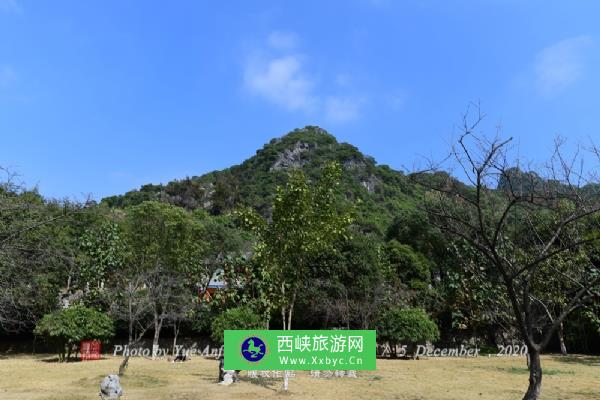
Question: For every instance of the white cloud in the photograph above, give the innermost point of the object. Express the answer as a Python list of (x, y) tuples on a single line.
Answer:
[(7, 75), (343, 109), (279, 73), (10, 6), (560, 65), (282, 81), (282, 40)]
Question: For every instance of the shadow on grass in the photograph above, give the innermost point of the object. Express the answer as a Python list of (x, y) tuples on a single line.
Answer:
[(55, 360), (267, 383), (589, 361), (71, 360), (525, 371), (405, 358)]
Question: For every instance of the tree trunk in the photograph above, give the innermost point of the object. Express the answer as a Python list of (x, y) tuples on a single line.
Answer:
[(561, 339), (61, 353), (175, 334), (125, 361), (535, 375), (157, 327), (123, 365), (221, 373), (289, 323), (283, 319), (267, 320), (291, 308), (347, 309)]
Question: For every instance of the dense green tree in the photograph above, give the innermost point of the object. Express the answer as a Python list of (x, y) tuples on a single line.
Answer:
[(474, 303), (409, 266), (103, 253), (165, 243), (238, 318), (306, 221), (410, 326), (38, 253), (348, 288), (66, 328)]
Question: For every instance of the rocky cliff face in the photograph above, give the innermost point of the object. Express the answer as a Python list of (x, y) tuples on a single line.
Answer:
[(371, 183), (292, 158)]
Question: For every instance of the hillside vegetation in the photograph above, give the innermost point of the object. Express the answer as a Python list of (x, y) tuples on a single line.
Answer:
[(379, 192)]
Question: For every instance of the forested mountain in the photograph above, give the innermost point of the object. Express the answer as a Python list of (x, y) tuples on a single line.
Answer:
[(378, 191)]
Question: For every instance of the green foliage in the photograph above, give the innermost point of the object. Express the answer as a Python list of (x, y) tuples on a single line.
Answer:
[(411, 267), (411, 226), (66, 328), (38, 253), (166, 257), (163, 236), (239, 318), (407, 326), (472, 293), (306, 220), (349, 286), (102, 254)]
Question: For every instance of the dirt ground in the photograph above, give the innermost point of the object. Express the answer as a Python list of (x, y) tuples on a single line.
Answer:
[(482, 378)]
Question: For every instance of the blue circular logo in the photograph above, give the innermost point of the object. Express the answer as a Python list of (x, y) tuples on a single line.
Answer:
[(253, 349)]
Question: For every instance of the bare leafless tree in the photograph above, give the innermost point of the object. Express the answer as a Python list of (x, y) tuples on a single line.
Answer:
[(170, 301), (520, 219), (132, 303)]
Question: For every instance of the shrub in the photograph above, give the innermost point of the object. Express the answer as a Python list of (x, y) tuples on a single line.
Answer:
[(410, 326), (235, 318), (412, 267), (66, 328)]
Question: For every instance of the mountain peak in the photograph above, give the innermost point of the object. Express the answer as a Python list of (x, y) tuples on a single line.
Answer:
[(308, 145), (294, 149), (310, 130), (253, 182)]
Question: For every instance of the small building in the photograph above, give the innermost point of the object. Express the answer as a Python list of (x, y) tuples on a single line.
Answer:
[(215, 284)]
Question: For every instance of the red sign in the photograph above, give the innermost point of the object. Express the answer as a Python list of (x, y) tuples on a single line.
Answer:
[(90, 350)]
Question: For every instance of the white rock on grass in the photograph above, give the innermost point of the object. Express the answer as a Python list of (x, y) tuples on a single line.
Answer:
[(227, 378), (110, 388)]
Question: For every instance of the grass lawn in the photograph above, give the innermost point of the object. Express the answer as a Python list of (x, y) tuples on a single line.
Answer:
[(573, 377)]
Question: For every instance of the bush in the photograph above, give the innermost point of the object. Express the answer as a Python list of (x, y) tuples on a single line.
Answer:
[(412, 267), (66, 328), (410, 326), (235, 318)]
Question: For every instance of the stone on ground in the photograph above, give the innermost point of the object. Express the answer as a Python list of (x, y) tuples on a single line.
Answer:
[(110, 388)]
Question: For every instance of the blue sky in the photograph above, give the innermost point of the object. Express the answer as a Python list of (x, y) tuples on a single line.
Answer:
[(99, 97)]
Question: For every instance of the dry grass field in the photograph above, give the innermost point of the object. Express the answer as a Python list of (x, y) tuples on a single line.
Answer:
[(483, 378)]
